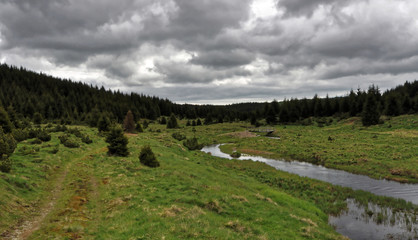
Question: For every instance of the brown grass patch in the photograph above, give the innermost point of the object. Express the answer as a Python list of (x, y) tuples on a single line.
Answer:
[(214, 206), (171, 211), (267, 199), (194, 212), (236, 226), (244, 134), (255, 152), (240, 198), (131, 134), (410, 133)]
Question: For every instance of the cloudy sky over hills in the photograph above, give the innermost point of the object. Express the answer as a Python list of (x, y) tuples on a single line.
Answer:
[(216, 51)]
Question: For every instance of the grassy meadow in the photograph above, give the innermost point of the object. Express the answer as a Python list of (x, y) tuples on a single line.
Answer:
[(85, 193), (389, 150)]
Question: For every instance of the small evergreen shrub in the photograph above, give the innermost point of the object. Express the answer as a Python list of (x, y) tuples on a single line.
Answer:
[(33, 132), (5, 163), (54, 150), (37, 118), (192, 144), (76, 132), (63, 138), (68, 142), (236, 154), (44, 136), (86, 139), (178, 136), (7, 147), (59, 128), (163, 121), (172, 122), (139, 128), (118, 142), (145, 124), (20, 135), (147, 157), (71, 143), (36, 141), (103, 124)]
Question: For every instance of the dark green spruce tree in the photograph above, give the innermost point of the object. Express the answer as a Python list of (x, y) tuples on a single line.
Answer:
[(371, 115), (7, 147), (172, 122), (147, 157), (118, 142), (5, 122), (103, 124)]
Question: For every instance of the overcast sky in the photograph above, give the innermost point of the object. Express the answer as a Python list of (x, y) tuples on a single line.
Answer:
[(216, 51)]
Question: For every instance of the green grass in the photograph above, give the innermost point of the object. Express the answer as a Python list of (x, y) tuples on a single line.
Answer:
[(386, 151), (192, 195)]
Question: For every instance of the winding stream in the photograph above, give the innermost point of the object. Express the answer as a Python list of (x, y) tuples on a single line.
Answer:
[(355, 223)]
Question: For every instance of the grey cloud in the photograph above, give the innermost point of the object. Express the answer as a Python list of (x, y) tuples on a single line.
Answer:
[(364, 67), (304, 7), (176, 72), (224, 59)]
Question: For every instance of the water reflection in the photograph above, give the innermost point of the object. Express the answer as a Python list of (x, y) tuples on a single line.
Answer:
[(358, 222), (373, 222), (408, 192)]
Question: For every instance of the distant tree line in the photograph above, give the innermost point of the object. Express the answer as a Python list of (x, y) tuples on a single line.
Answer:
[(368, 104), (36, 97)]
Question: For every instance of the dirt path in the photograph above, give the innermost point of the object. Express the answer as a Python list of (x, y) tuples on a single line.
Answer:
[(27, 227), (80, 188)]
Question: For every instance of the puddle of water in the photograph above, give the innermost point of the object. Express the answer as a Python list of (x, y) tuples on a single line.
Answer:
[(374, 223)]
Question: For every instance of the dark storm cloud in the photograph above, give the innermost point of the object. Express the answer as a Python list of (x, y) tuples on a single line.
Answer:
[(214, 50)]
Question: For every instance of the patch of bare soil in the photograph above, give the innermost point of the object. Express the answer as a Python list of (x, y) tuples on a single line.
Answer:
[(27, 227)]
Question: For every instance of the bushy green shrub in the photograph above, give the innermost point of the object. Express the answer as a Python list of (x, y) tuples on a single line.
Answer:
[(86, 139), (33, 132), (118, 142), (178, 136), (71, 143), (68, 142), (54, 150), (172, 122), (192, 144), (59, 128), (103, 124), (36, 141), (147, 157), (44, 136), (20, 134), (5, 163), (236, 154), (63, 138), (7, 147), (145, 124), (76, 132), (139, 128)]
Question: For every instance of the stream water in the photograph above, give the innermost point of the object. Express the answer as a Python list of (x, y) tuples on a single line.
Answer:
[(356, 223)]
